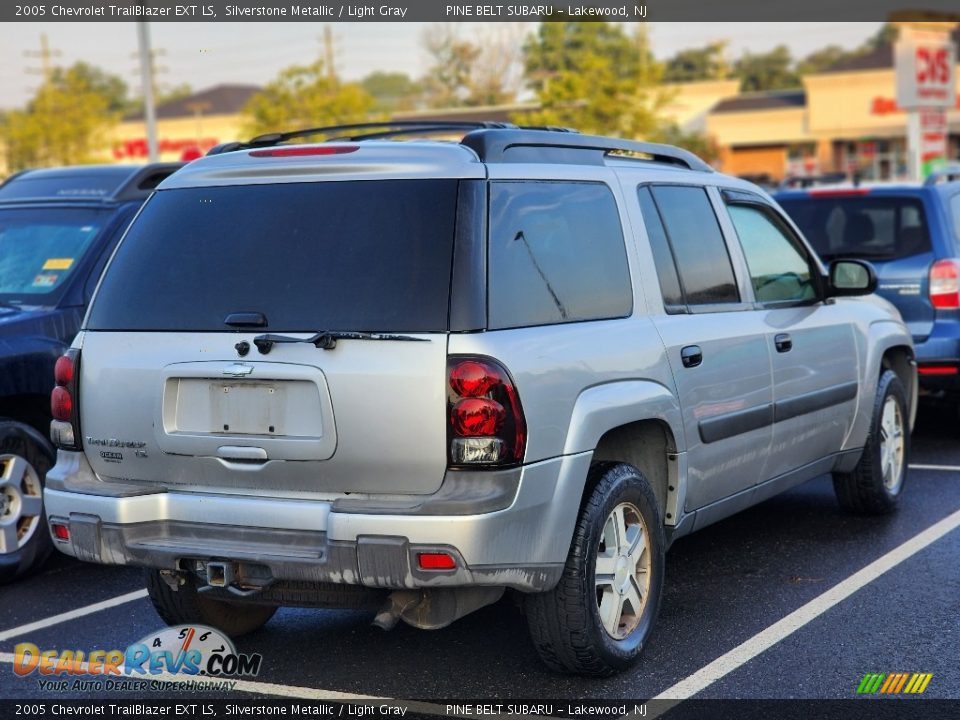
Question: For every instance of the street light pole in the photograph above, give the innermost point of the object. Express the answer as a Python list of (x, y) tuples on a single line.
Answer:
[(146, 75)]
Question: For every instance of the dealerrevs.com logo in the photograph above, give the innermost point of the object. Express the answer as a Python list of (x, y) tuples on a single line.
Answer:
[(894, 683), (175, 657)]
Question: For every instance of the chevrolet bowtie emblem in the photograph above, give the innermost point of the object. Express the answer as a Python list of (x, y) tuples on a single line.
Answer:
[(238, 370)]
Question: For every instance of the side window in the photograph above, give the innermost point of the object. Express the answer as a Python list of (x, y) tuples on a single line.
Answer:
[(693, 233), (662, 255), (955, 211), (779, 269), (556, 254)]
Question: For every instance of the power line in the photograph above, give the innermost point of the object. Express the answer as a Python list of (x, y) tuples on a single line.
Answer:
[(46, 55)]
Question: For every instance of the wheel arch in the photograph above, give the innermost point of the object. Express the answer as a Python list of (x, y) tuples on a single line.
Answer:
[(900, 359), (636, 422)]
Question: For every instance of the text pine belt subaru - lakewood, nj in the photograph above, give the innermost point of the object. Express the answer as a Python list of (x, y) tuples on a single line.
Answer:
[(413, 375)]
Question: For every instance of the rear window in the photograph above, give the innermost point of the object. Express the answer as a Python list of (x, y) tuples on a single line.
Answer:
[(365, 256), (872, 227), (41, 247), (556, 254), (78, 185)]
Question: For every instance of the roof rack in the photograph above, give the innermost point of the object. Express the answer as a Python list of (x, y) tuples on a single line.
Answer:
[(367, 131), (564, 146), (948, 173), (495, 142)]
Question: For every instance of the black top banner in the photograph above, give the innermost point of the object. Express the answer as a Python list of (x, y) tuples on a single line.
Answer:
[(454, 11), (200, 708)]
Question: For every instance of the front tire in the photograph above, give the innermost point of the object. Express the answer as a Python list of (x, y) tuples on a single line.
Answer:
[(875, 485), (597, 620), (187, 606), (24, 538)]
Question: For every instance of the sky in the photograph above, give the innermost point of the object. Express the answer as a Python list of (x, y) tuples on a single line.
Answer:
[(207, 54)]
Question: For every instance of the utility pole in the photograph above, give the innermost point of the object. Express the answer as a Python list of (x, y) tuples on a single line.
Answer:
[(146, 76), (328, 52), (46, 56)]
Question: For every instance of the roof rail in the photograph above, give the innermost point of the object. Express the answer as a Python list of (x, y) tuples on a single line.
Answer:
[(367, 131), (536, 145), (492, 141), (948, 173)]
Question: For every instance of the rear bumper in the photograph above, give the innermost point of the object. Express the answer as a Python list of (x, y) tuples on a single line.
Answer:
[(938, 358), (515, 532)]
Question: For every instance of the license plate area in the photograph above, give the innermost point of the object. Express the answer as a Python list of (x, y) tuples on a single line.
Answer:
[(286, 411)]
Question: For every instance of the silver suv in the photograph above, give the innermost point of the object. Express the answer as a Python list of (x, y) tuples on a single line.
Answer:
[(413, 375)]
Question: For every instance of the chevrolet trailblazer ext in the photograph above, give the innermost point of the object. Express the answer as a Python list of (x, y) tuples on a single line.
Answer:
[(420, 373)]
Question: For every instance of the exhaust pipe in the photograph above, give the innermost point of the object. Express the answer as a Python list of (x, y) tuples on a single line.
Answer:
[(434, 608)]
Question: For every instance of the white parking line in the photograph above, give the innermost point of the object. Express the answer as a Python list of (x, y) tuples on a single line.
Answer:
[(945, 468), (288, 691), (72, 614), (765, 639)]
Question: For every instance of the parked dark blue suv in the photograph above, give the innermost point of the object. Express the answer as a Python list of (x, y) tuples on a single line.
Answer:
[(57, 230), (911, 235)]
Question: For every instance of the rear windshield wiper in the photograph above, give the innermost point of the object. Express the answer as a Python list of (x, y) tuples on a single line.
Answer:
[(327, 340)]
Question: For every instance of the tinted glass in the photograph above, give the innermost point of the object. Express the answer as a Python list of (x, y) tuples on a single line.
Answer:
[(41, 247), (955, 211), (879, 228), (372, 256), (556, 254), (662, 256), (778, 270), (698, 245), (71, 184)]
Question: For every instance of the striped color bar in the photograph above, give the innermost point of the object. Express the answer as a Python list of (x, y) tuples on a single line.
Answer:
[(894, 683)]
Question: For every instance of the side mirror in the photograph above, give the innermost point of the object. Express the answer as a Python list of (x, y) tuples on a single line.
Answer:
[(851, 277)]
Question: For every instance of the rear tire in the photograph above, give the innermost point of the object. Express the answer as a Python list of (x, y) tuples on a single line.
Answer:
[(186, 606), (875, 485), (589, 624), (24, 538)]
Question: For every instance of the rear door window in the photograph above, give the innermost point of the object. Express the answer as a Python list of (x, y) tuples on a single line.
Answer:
[(685, 218), (863, 226), (363, 256), (556, 254)]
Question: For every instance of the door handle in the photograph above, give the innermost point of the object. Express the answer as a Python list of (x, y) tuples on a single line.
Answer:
[(691, 356), (783, 342)]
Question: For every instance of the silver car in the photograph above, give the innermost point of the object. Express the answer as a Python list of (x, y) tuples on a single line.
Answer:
[(413, 375)]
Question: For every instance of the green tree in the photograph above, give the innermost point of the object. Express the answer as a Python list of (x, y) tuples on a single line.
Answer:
[(111, 87), (391, 91), (305, 96), (483, 70), (594, 77), (706, 63), (772, 70), (886, 35), (699, 144), (66, 121), (447, 82), (823, 59)]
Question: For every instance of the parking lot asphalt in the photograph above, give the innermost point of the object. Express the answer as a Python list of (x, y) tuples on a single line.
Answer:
[(725, 586)]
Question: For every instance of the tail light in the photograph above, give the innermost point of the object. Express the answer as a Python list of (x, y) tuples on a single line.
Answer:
[(65, 428), (486, 421), (945, 284)]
